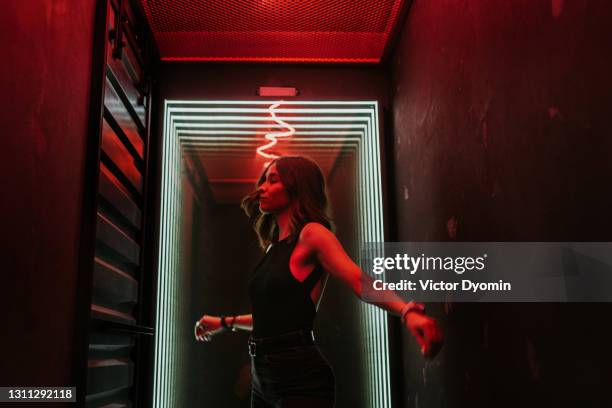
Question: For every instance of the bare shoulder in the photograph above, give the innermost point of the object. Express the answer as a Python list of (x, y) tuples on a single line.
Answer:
[(315, 235)]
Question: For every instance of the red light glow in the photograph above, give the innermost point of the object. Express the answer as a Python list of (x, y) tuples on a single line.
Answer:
[(273, 31)]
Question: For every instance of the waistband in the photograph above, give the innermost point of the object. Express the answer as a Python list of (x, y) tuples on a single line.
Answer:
[(262, 345)]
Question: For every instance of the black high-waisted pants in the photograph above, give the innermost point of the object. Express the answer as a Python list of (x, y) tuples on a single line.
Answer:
[(294, 377)]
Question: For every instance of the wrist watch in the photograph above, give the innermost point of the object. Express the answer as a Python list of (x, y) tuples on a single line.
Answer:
[(224, 323)]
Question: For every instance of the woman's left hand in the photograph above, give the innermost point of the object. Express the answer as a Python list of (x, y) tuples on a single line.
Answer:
[(426, 331), (207, 327)]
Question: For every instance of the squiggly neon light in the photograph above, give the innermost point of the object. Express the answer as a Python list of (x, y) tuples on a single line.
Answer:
[(273, 136)]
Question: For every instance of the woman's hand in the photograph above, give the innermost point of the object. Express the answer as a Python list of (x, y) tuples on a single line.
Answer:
[(426, 331), (207, 327)]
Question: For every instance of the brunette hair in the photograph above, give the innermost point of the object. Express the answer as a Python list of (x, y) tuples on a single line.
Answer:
[(305, 185)]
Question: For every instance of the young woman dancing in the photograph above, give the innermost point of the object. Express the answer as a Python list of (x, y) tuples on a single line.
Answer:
[(289, 214)]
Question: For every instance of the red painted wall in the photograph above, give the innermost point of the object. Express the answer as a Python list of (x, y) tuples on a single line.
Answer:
[(46, 73), (501, 114), (506, 105)]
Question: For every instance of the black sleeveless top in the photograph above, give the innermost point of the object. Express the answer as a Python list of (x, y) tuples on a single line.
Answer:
[(281, 303)]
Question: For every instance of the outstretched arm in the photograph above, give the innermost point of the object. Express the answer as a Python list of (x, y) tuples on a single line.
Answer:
[(332, 257), (243, 322), (208, 325)]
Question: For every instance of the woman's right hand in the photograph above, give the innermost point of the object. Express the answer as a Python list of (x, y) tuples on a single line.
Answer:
[(426, 331), (207, 327)]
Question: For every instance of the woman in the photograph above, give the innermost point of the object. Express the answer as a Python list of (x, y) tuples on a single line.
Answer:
[(288, 211)]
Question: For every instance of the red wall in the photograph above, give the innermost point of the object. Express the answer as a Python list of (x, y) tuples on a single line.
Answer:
[(507, 108), (501, 115), (46, 72)]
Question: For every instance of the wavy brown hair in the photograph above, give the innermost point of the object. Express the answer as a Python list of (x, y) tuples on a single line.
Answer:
[(305, 185)]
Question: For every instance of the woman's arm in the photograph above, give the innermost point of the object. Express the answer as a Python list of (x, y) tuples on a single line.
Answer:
[(242, 322), (332, 257), (208, 325)]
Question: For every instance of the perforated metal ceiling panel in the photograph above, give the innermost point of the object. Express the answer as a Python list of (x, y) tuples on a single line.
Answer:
[(338, 31)]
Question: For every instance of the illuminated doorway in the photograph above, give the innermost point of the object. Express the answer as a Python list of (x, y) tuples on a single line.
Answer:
[(217, 141)]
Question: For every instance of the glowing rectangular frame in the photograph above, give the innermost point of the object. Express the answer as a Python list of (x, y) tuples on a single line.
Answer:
[(168, 356)]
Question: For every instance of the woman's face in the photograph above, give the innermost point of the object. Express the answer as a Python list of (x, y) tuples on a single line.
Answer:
[(273, 196)]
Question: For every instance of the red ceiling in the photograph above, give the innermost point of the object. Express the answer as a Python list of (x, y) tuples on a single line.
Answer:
[(338, 31)]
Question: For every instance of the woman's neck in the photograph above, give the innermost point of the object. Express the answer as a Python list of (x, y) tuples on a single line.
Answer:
[(283, 221)]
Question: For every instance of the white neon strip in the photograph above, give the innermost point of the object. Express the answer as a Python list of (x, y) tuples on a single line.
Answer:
[(382, 321), (267, 111), (175, 275), (382, 318), (177, 278), (171, 278), (258, 132), (246, 132), (363, 307), (175, 102), (341, 137), (163, 324), (249, 145), (186, 120), (156, 368), (167, 264), (381, 238), (218, 125), (252, 108), (159, 338), (166, 271), (192, 135), (173, 283), (375, 385), (375, 320), (371, 332), (156, 340)]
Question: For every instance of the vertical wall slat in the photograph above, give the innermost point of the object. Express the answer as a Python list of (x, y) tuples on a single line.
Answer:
[(118, 305)]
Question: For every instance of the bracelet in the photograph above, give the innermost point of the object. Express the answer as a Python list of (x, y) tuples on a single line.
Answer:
[(225, 325), (411, 306)]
